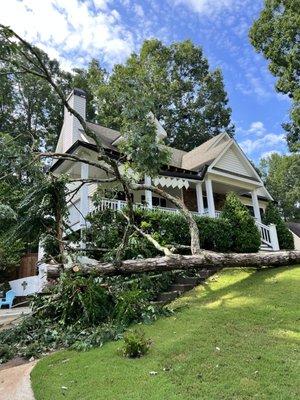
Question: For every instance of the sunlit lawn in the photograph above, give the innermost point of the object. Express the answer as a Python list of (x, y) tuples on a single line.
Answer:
[(234, 338)]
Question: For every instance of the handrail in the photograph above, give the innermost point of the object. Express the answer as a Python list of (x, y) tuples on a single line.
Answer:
[(116, 205), (267, 232), (264, 233)]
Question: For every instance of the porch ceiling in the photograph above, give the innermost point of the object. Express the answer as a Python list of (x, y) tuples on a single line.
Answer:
[(223, 188)]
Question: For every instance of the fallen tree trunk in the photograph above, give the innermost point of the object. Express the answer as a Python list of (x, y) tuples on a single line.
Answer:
[(206, 259)]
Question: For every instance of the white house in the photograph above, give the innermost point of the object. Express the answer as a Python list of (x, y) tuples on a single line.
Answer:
[(201, 177)]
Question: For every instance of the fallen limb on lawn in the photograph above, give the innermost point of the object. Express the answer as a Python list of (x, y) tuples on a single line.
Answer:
[(206, 259)]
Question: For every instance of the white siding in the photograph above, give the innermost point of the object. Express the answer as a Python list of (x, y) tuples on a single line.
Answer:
[(233, 162), (70, 130)]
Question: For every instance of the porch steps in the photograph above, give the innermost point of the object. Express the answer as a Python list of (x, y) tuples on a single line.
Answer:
[(265, 247), (183, 284)]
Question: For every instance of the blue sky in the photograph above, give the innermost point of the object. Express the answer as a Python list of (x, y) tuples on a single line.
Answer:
[(74, 31)]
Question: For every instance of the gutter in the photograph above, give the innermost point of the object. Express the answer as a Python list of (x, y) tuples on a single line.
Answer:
[(169, 171)]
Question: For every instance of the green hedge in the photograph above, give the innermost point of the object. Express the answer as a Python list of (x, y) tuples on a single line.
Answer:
[(107, 229), (235, 231), (285, 237)]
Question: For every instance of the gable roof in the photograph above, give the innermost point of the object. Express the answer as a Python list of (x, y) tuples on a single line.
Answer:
[(110, 136), (193, 160), (232, 160), (214, 154), (206, 153)]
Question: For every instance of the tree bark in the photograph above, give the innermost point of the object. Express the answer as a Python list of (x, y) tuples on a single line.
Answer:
[(206, 259)]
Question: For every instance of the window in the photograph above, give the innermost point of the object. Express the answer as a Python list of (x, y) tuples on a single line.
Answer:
[(251, 210), (120, 195), (156, 201)]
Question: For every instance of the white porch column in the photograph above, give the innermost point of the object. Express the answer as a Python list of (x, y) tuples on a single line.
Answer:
[(210, 198), (84, 195), (199, 195), (148, 193), (255, 205)]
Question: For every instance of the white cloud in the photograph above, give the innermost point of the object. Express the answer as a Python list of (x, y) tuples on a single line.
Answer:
[(257, 141), (138, 9), (206, 6), (257, 128), (70, 30), (255, 84), (267, 141)]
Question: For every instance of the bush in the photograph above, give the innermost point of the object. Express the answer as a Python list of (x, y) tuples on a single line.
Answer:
[(135, 344), (245, 235), (6, 353), (215, 234), (130, 306), (285, 237), (107, 229)]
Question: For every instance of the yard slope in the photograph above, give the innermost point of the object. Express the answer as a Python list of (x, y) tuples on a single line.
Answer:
[(233, 338)]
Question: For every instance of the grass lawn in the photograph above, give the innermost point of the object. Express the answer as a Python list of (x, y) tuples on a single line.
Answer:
[(236, 337)]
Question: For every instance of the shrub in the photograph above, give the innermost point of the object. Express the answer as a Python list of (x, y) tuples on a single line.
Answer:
[(245, 235), (152, 284), (6, 353), (130, 305), (285, 237), (32, 350), (135, 344), (107, 229), (215, 234)]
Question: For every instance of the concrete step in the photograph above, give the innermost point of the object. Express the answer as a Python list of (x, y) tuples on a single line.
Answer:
[(206, 273), (168, 296), (188, 280), (182, 287), (265, 247)]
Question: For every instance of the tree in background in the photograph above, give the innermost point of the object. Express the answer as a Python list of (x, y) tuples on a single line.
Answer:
[(275, 34), (281, 175), (89, 80), (187, 97), (285, 237), (29, 110)]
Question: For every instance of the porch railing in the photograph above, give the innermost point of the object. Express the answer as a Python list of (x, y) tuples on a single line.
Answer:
[(268, 234), (116, 205)]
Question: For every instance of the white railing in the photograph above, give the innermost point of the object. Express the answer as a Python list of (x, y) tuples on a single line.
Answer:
[(268, 234), (116, 205), (264, 233)]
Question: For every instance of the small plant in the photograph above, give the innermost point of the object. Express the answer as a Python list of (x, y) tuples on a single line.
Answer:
[(32, 350), (135, 344), (6, 353)]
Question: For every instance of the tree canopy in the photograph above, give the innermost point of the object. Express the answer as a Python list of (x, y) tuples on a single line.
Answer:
[(281, 175), (276, 34), (185, 95)]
